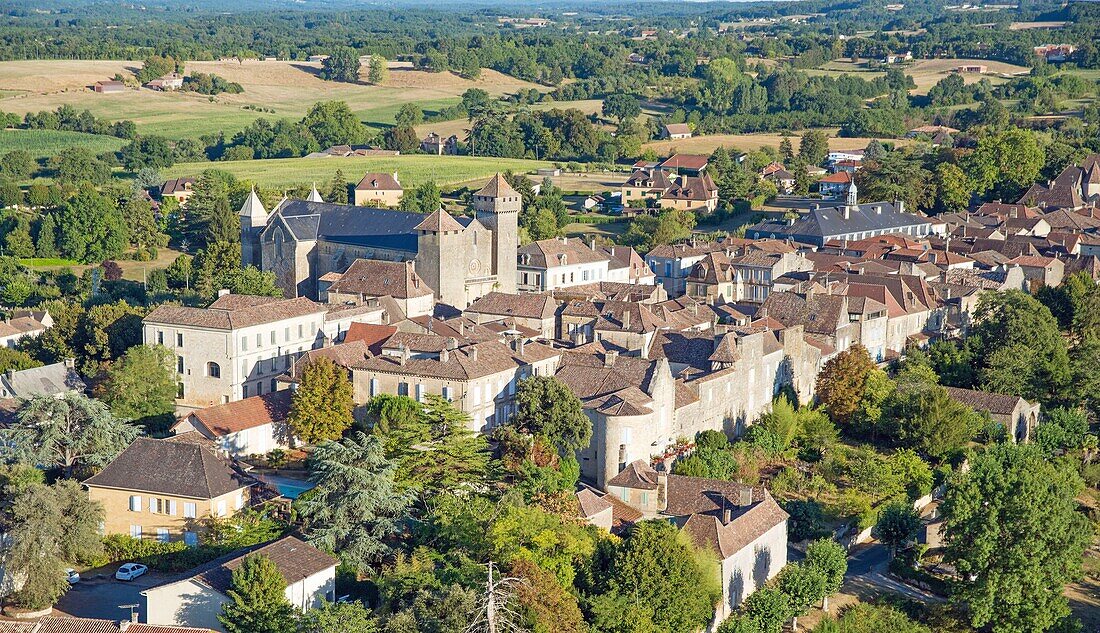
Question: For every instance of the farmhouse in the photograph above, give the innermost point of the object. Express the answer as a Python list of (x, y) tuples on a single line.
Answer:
[(165, 488), (835, 186), (177, 188), (676, 131), (971, 68), (171, 81), (380, 189), (436, 144)]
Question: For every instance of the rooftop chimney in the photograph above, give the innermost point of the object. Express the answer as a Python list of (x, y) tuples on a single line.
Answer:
[(471, 353), (746, 496), (404, 354), (727, 513), (610, 357), (445, 355), (626, 319), (223, 292)]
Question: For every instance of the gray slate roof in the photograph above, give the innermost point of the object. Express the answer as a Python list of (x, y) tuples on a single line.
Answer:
[(353, 225), (48, 380), (829, 222)]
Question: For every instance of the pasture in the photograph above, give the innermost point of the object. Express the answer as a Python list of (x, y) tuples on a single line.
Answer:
[(287, 88), (925, 72), (412, 170)]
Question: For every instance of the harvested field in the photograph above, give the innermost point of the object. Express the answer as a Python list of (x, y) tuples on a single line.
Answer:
[(749, 142)]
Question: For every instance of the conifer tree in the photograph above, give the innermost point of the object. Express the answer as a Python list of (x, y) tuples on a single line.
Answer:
[(258, 601)]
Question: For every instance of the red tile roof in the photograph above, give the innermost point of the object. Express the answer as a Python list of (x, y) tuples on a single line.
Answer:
[(225, 419)]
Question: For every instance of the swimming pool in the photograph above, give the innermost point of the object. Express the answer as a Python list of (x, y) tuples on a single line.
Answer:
[(287, 486)]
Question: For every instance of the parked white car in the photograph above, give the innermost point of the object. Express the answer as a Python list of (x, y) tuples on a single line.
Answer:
[(73, 575), (129, 571)]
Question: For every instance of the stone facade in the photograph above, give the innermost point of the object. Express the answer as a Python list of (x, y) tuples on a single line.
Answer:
[(460, 258), (162, 516)]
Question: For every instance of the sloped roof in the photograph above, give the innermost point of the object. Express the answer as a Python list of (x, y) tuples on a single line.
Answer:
[(638, 475), (707, 530), (378, 181), (231, 312), (48, 380), (694, 162), (439, 221), (997, 403), (559, 251), (497, 187), (172, 468), (378, 278), (524, 305), (226, 419), (294, 558)]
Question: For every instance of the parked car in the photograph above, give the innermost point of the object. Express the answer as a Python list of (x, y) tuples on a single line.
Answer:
[(129, 571), (74, 575)]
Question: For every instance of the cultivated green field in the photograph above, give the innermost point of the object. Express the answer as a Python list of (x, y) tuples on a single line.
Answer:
[(411, 170), (45, 143)]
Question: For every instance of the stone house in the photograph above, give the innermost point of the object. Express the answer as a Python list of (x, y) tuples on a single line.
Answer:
[(676, 131), (24, 324), (480, 378), (436, 144), (1018, 416), (252, 426), (378, 189), (1040, 271), (196, 598), (535, 311), (368, 279), (559, 263), (235, 347), (164, 489), (741, 526), (177, 188)]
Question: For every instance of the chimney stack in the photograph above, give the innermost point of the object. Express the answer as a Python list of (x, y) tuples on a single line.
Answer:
[(727, 514), (404, 354), (610, 357), (746, 496), (471, 353), (626, 319), (223, 292)]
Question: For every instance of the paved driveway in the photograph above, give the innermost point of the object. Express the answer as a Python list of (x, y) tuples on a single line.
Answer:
[(103, 598)]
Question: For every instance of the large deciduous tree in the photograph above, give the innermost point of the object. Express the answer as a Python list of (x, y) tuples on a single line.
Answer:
[(356, 504), (549, 408), (341, 65), (71, 433), (91, 228), (841, 383), (322, 404), (50, 528), (1012, 529), (141, 386), (1018, 347), (897, 524), (656, 568)]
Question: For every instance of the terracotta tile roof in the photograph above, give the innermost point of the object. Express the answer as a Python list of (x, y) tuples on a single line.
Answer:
[(497, 187), (840, 177), (694, 162), (637, 475), (526, 305), (707, 530), (590, 503), (232, 312), (1032, 261), (559, 251), (609, 380), (294, 558), (377, 278), (172, 468), (370, 334), (997, 403), (225, 419), (678, 128), (379, 182), (461, 363), (20, 325), (439, 221)]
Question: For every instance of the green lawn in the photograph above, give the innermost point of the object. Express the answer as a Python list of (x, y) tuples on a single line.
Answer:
[(46, 262), (412, 170), (45, 143)]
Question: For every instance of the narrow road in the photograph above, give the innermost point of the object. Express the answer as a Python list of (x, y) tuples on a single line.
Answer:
[(868, 571)]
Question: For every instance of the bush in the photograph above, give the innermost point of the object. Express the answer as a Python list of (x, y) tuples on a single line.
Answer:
[(120, 547), (807, 520)]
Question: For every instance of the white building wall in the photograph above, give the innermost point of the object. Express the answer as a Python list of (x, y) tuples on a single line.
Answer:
[(751, 567)]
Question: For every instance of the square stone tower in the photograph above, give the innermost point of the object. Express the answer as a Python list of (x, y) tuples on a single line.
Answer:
[(253, 218), (497, 206)]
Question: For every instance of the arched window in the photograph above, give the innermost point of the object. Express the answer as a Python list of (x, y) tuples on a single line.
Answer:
[(213, 370)]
